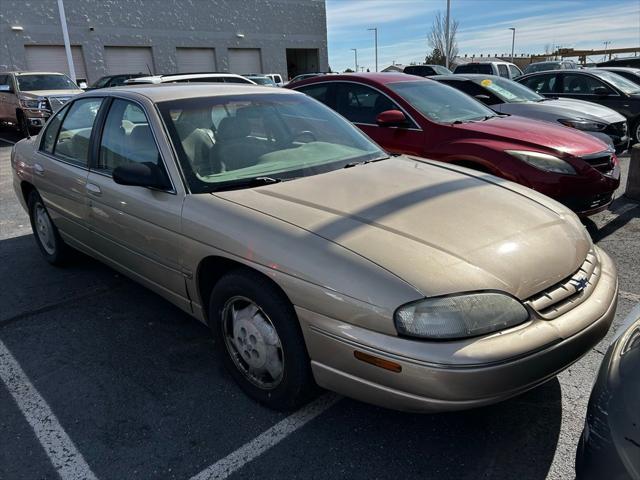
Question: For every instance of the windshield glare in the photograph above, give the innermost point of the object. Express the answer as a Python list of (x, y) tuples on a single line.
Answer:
[(28, 83), (621, 83), (509, 91), (441, 103), (227, 140)]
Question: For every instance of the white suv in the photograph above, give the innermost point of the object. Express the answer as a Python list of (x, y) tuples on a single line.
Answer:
[(190, 78), (502, 69)]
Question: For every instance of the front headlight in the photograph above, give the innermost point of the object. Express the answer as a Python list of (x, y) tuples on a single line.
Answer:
[(36, 104), (543, 161), (459, 316), (582, 124)]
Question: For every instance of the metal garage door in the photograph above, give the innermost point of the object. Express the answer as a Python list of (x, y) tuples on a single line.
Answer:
[(128, 60), (245, 60), (52, 58), (196, 60)]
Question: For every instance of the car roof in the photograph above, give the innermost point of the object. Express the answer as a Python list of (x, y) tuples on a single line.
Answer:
[(371, 78), (180, 91), (20, 72), (186, 76), (620, 69), (466, 76)]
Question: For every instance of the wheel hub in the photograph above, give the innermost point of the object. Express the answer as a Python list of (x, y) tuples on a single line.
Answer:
[(258, 351), (43, 229)]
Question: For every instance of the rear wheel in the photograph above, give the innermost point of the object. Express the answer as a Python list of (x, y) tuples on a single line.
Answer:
[(47, 237), (260, 341)]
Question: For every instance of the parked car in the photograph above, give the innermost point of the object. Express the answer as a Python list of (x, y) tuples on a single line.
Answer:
[(610, 442), (419, 116), (269, 217), (261, 80), (426, 70), (27, 99), (276, 77), (114, 80), (552, 65), (631, 74), (303, 76), (594, 85), (502, 69), (506, 96), (190, 78)]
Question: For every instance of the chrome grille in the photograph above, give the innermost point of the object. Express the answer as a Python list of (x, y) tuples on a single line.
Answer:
[(57, 102), (563, 296), (603, 162)]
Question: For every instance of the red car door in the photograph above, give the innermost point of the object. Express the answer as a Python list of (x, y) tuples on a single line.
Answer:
[(361, 105)]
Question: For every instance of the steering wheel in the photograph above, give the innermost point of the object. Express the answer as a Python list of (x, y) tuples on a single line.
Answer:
[(304, 133)]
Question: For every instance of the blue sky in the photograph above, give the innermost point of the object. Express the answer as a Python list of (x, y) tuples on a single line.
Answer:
[(403, 26)]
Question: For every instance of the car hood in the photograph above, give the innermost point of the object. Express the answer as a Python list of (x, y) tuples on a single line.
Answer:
[(535, 134), (48, 93), (554, 109), (440, 230)]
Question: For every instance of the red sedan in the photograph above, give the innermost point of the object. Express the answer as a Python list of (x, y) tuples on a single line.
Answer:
[(418, 116)]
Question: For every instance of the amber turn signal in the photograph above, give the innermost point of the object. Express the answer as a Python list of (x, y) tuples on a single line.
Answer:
[(377, 361)]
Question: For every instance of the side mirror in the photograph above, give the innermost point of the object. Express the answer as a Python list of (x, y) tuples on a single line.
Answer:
[(141, 175), (5, 88), (602, 91), (391, 118)]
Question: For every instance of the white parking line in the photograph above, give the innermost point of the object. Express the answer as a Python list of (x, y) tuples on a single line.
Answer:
[(634, 297), (64, 455), (263, 442), (7, 141)]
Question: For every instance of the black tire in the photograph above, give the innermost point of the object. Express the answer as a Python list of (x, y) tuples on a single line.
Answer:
[(296, 385), (23, 125), (55, 251), (635, 132)]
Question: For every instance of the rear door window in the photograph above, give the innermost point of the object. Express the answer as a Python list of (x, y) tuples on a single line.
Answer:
[(72, 143), (503, 71), (51, 131), (576, 84), (319, 92)]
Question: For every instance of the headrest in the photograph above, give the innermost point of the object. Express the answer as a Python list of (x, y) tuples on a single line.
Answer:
[(233, 127)]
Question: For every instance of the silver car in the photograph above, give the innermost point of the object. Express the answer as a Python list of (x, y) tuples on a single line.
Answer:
[(313, 255), (506, 96)]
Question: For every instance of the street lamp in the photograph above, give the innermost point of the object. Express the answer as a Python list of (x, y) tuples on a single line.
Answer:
[(513, 41), (606, 44), (355, 52), (375, 30)]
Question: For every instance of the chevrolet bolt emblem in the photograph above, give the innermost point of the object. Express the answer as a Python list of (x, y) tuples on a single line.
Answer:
[(579, 283)]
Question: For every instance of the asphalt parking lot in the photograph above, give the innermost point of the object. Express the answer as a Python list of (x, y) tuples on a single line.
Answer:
[(117, 383)]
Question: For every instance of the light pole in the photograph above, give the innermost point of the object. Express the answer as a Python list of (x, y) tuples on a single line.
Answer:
[(447, 48), (355, 52), (375, 30), (606, 44), (513, 41), (65, 37)]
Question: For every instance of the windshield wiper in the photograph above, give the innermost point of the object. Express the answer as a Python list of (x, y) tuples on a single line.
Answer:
[(364, 162), (246, 183)]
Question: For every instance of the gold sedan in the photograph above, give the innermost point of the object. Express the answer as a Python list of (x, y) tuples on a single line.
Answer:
[(314, 256)]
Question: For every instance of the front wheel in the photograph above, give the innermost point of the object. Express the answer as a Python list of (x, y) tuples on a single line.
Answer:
[(23, 124), (53, 248), (260, 341)]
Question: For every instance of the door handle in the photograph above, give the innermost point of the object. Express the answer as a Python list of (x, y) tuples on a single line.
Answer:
[(93, 189), (39, 169)]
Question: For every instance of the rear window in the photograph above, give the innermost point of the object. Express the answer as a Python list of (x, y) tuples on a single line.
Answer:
[(420, 70), (484, 68)]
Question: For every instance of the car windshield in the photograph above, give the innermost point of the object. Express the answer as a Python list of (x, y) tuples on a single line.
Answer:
[(102, 82), (621, 83), (509, 91), (28, 83), (542, 66), (239, 141), (484, 68), (262, 80), (441, 103)]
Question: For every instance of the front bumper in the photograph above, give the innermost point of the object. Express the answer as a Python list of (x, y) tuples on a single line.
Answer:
[(36, 118), (477, 372)]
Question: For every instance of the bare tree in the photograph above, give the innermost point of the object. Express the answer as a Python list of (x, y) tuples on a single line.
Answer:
[(437, 38)]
